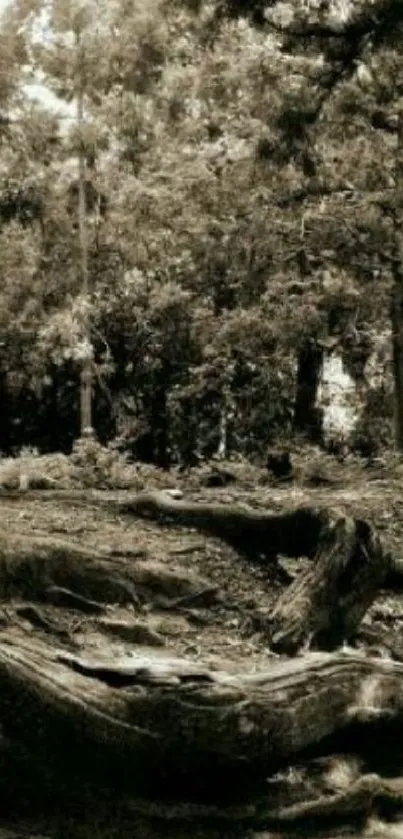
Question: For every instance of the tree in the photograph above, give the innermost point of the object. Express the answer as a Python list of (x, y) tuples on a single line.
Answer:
[(361, 73), (396, 304), (247, 176), (70, 62)]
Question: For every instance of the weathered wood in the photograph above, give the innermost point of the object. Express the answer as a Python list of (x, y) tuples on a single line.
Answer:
[(325, 605), (256, 533), (157, 715)]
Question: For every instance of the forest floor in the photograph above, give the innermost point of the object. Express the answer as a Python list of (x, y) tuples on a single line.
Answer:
[(228, 631)]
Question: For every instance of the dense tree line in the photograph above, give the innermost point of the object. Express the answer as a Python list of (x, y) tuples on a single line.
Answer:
[(243, 192)]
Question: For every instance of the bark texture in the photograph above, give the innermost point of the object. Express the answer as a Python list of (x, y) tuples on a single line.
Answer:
[(325, 605), (153, 714)]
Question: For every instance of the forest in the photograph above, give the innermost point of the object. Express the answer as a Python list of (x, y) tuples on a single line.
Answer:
[(218, 210), (201, 206)]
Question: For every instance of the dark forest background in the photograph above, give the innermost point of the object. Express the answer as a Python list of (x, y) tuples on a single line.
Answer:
[(220, 210)]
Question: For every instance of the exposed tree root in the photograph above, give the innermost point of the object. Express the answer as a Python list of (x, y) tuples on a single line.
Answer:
[(155, 715), (324, 606), (280, 693), (55, 570), (255, 533)]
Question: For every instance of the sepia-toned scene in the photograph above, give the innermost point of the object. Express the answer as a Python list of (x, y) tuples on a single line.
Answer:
[(201, 419)]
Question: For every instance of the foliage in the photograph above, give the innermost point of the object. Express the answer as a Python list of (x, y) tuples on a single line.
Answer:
[(242, 177), (101, 467), (373, 432)]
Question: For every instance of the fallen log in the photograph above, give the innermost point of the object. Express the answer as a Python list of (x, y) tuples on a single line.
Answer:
[(154, 724), (142, 718)]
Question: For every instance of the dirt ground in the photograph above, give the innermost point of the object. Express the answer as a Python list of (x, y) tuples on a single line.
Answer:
[(246, 588), (229, 632)]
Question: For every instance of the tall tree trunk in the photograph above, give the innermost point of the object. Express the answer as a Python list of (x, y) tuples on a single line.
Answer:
[(86, 371), (307, 416), (396, 307)]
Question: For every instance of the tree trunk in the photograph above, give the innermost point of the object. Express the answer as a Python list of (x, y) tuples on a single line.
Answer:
[(325, 606), (187, 433), (86, 372), (396, 305), (159, 424), (307, 416)]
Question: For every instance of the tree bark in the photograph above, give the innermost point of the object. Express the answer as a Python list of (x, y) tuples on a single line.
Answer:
[(396, 303), (325, 606), (307, 416), (148, 718)]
